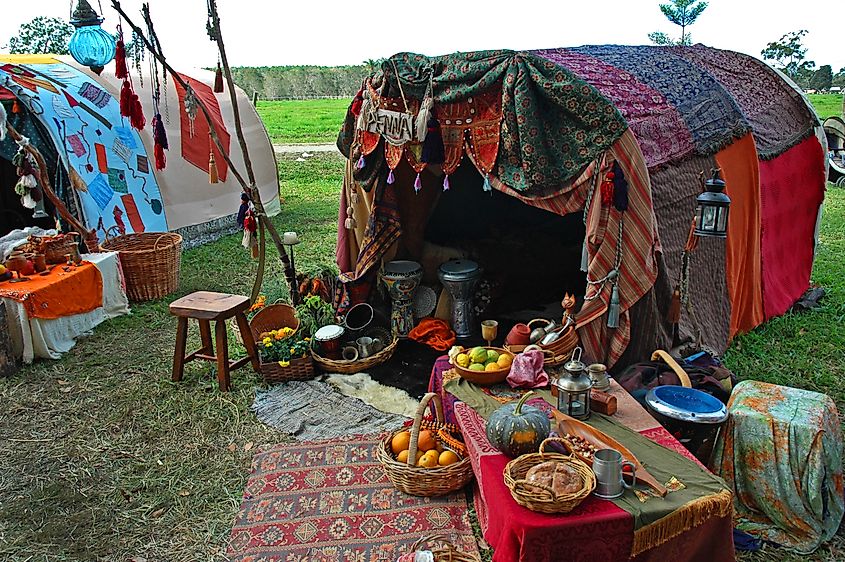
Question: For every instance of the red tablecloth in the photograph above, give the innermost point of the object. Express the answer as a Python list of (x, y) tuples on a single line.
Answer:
[(64, 291)]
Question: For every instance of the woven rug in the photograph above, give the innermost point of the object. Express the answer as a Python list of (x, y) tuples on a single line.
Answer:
[(331, 501), (312, 410)]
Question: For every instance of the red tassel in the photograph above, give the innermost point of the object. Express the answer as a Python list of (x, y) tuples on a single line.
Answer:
[(137, 114), (16, 107), (607, 190), (674, 314), (160, 137), (120, 69), (161, 159), (126, 99), (218, 79)]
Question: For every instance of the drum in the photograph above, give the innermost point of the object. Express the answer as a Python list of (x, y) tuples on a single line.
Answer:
[(401, 278), (693, 415), (460, 278)]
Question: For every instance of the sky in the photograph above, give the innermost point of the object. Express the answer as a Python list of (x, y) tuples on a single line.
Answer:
[(331, 32)]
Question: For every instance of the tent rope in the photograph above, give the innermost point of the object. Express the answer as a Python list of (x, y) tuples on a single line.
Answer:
[(613, 274)]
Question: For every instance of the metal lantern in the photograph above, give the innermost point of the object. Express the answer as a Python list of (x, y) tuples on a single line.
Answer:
[(90, 44), (712, 212), (573, 388)]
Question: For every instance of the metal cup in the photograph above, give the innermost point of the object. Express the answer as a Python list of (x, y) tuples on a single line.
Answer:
[(608, 466), (350, 353), (365, 346)]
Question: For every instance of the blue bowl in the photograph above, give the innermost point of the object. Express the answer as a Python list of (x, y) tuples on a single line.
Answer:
[(686, 404)]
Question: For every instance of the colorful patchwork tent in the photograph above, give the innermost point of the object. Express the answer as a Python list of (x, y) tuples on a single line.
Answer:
[(617, 138), (107, 171)]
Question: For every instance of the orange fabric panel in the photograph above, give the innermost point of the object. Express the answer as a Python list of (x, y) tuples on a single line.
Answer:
[(743, 267), (60, 293)]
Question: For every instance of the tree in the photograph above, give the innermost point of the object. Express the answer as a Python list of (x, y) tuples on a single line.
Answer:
[(822, 79), (839, 78), (42, 35), (788, 54), (682, 13)]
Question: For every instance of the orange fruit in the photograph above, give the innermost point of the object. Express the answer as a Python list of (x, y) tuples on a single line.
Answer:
[(426, 441), (403, 456), (504, 361), (447, 457), (492, 367), (429, 459), (400, 442)]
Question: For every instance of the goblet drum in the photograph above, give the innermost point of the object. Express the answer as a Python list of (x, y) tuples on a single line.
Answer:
[(460, 278), (401, 278)]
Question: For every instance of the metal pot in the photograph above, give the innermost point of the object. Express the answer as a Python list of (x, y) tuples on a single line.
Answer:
[(539, 333)]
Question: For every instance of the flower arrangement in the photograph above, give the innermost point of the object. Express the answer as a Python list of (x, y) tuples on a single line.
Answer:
[(282, 346)]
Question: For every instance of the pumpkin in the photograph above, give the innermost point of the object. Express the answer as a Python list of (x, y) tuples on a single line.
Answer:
[(516, 429)]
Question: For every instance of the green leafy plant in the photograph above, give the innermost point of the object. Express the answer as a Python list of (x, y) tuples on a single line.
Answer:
[(283, 346), (313, 314)]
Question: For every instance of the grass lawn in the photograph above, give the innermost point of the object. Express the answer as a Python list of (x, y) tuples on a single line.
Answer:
[(303, 121), (827, 105)]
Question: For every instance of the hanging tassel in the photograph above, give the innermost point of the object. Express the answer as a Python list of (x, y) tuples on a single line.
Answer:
[(16, 107), (423, 118), (620, 188), (487, 186), (674, 315), (160, 137), (607, 190), (390, 178), (354, 196), (361, 162), (446, 185), (218, 79), (585, 256), (417, 183), (136, 117), (212, 169), (126, 99), (28, 202), (2, 122), (120, 69), (613, 309), (433, 151)]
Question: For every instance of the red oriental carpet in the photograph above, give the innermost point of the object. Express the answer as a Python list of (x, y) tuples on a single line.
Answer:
[(331, 501)]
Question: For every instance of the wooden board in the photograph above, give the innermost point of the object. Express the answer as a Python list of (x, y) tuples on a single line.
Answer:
[(600, 440)]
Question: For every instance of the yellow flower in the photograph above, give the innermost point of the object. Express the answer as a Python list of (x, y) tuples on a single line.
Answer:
[(284, 363), (267, 341), (268, 344)]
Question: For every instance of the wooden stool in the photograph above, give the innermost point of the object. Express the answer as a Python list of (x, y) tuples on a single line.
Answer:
[(205, 306)]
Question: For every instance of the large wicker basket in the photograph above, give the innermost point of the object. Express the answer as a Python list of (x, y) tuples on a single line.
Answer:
[(419, 481), (539, 498), (345, 367), (301, 369), (150, 262)]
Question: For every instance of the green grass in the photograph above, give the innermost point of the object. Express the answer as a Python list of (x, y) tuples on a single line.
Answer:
[(303, 121), (827, 105)]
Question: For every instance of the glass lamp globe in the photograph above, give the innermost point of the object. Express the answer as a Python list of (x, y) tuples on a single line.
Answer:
[(90, 44)]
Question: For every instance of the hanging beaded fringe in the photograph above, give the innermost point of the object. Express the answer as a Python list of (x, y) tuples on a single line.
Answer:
[(446, 185), (417, 183)]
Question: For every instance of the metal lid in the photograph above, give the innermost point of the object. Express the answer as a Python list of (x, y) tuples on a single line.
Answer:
[(686, 404), (327, 333), (459, 268), (406, 267), (575, 366)]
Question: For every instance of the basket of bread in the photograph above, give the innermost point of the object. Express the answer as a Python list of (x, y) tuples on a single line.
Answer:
[(549, 482)]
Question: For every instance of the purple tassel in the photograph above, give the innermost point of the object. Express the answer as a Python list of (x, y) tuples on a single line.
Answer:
[(417, 183), (361, 162), (620, 188), (433, 151), (446, 185), (390, 178)]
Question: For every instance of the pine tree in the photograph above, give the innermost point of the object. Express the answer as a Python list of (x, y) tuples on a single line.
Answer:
[(682, 13)]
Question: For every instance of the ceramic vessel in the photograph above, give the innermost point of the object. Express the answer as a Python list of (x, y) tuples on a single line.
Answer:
[(519, 335), (328, 339), (401, 278), (460, 278)]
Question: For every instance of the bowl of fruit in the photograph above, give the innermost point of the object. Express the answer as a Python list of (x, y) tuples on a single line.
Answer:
[(482, 365)]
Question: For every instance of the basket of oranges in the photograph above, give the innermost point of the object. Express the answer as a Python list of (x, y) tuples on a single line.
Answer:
[(428, 459)]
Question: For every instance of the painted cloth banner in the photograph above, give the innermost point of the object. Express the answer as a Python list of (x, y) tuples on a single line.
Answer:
[(710, 113), (118, 188), (196, 140)]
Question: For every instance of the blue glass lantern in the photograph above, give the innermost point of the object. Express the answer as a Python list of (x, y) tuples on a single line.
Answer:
[(90, 44)]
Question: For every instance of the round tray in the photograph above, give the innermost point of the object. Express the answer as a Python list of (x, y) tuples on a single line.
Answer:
[(486, 378)]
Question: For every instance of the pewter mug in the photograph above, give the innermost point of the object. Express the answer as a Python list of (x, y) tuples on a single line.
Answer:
[(608, 466)]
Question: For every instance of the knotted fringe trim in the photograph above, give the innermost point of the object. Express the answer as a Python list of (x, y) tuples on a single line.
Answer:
[(681, 520)]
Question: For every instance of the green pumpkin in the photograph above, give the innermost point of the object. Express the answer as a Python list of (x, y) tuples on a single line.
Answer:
[(517, 429)]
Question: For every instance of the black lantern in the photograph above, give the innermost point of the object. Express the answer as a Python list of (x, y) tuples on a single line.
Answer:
[(573, 388), (712, 212), (90, 45)]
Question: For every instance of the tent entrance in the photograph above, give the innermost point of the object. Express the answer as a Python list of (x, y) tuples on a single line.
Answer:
[(530, 256), (13, 215)]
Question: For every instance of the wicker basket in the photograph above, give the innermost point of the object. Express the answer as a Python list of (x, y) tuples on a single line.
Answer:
[(557, 352), (442, 549), (150, 262), (539, 498), (345, 367), (273, 317), (301, 369), (56, 248), (419, 481)]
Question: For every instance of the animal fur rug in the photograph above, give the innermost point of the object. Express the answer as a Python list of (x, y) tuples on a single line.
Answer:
[(382, 397)]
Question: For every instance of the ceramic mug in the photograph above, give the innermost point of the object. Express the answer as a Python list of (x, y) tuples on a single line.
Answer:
[(520, 334), (365, 346), (608, 465), (350, 353)]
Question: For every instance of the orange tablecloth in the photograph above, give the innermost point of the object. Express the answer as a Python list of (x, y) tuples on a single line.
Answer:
[(60, 293)]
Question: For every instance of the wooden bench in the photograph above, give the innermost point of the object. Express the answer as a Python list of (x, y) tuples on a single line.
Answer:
[(205, 307)]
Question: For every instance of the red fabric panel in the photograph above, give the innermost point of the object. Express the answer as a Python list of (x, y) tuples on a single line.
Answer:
[(740, 170), (791, 190), (6, 95), (132, 212), (102, 159), (196, 148)]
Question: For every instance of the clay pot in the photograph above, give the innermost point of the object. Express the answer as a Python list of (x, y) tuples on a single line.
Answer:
[(40, 262), (520, 334)]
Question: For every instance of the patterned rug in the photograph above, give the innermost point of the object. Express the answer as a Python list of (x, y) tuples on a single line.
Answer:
[(331, 501)]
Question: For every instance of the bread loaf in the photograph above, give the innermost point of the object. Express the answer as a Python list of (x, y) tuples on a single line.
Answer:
[(560, 477)]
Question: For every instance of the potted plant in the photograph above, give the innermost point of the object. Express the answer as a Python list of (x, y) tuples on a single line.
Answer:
[(285, 356)]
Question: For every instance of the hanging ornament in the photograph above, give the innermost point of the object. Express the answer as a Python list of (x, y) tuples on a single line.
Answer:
[(212, 168), (620, 188), (607, 190), (2, 122), (446, 185), (250, 240), (160, 138), (433, 151), (361, 162), (390, 178), (90, 45), (136, 114), (218, 79), (121, 71), (191, 107), (350, 222), (486, 185), (417, 184)]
